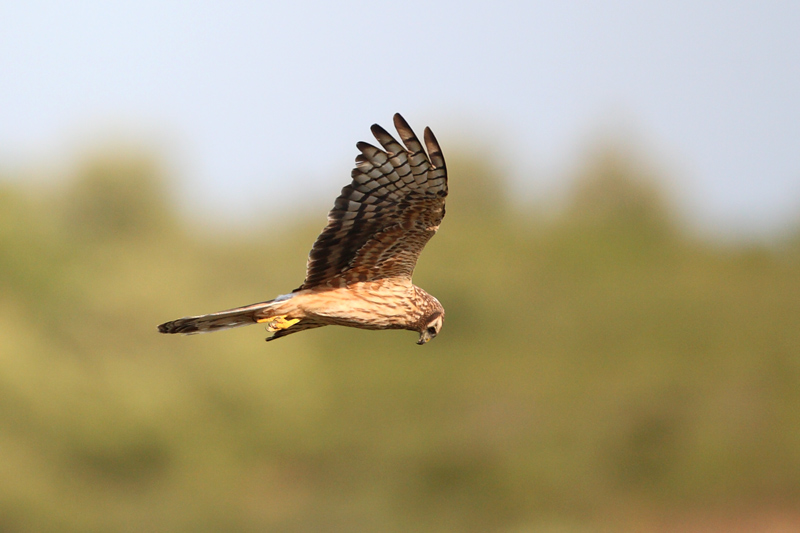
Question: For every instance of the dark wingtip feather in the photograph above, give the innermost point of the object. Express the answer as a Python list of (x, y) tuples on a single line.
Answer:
[(388, 142), (364, 146), (377, 130), (401, 125), (407, 135), (434, 150)]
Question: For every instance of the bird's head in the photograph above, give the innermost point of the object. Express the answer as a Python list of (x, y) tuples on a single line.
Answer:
[(431, 326)]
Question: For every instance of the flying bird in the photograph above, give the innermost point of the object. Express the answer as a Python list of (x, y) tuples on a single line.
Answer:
[(359, 270)]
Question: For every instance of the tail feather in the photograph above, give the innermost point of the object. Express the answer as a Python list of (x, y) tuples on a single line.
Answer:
[(232, 318)]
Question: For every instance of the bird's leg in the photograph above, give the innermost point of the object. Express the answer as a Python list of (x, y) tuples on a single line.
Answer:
[(277, 323)]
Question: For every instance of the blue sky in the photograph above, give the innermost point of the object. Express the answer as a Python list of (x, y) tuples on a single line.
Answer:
[(258, 104)]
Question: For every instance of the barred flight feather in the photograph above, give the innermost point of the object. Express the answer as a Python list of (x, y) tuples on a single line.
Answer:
[(396, 197)]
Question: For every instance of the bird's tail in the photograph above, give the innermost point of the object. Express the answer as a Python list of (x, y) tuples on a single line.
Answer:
[(232, 318)]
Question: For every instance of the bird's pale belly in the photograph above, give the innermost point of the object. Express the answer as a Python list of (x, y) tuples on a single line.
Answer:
[(367, 305)]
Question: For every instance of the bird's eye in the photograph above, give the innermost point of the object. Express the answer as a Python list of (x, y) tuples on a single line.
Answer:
[(431, 330)]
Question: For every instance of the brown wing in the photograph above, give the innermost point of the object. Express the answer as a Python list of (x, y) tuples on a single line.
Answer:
[(383, 218)]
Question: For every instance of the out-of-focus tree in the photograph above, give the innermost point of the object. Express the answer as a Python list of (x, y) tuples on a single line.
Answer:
[(591, 367), (117, 196), (614, 191)]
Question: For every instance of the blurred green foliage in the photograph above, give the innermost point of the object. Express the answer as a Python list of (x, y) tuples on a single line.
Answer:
[(595, 367)]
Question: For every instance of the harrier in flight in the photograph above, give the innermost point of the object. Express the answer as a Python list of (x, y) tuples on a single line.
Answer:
[(359, 269)]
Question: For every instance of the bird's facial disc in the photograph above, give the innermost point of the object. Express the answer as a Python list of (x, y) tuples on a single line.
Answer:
[(431, 330)]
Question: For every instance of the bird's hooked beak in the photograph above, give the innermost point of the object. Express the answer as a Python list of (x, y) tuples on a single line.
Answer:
[(424, 337)]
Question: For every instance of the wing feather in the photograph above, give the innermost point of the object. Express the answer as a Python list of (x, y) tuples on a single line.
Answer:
[(383, 218)]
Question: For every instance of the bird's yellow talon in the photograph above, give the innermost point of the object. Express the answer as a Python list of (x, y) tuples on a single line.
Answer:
[(277, 323)]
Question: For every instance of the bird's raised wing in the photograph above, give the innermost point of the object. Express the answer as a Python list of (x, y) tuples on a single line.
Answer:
[(382, 220)]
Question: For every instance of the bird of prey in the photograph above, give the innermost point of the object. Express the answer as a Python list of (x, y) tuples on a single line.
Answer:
[(359, 270)]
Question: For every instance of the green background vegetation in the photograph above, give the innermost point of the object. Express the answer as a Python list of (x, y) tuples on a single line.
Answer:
[(599, 368)]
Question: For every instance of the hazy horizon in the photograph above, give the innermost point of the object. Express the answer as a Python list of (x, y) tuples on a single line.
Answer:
[(255, 106)]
